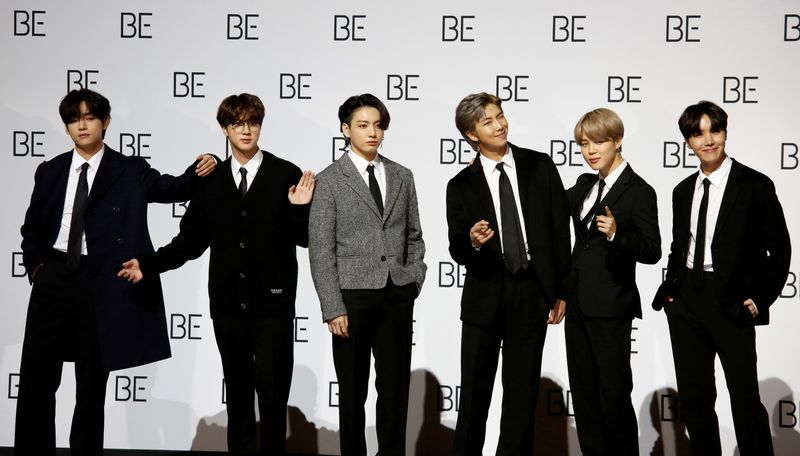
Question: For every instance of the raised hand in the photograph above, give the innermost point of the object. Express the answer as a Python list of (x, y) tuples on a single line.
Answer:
[(304, 190), (606, 224)]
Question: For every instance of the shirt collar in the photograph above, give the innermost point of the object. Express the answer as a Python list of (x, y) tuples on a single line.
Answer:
[(94, 161), (717, 177), (362, 163), (614, 175), (489, 164), (251, 166)]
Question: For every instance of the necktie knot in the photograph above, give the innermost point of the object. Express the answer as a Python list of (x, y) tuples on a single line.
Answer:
[(84, 167), (706, 184)]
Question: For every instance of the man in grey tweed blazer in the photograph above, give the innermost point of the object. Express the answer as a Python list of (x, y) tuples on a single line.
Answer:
[(366, 253)]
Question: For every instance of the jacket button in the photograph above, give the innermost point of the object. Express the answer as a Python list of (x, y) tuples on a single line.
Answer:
[(116, 210), (242, 275), (241, 245), (244, 213), (120, 241), (383, 258), (243, 306)]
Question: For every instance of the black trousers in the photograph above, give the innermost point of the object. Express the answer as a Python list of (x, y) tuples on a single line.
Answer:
[(700, 331), (520, 325), (601, 381), (380, 324), (60, 327), (257, 357)]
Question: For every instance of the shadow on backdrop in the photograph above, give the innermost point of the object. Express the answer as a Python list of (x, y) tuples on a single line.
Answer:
[(554, 432), (307, 434), (670, 432), (426, 404), (211, 433), (779, 400)]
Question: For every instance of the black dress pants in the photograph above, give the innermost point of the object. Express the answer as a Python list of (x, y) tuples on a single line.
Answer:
[(520, 326), (257, 357), (380, 324), (601, 381), (700, 331), (60, 327)]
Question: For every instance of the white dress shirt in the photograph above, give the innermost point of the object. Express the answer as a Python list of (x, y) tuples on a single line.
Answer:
[(380, 170), (719, 179), (493, 179), (251, 166), (609, 182), (62, 240)]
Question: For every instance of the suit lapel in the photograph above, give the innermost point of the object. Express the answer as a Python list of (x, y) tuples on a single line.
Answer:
[(583, 191), (614, 193), (728, 198), (477, 180), (393, 185), (683, 211), (523, 177), (108, 172), (354, 180)]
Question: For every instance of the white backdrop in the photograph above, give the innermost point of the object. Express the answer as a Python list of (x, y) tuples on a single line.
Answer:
[(165, 66)]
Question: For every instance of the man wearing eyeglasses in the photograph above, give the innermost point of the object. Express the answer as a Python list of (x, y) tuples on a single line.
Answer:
[(252, 214)]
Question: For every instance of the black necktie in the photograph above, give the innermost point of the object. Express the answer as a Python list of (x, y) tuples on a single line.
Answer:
[(76, 223), (601, 183), (243, 182), (374, 188), (700, 237), (513, 243)]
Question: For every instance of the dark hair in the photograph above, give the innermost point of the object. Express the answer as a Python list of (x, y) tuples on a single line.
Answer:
[(689, 122), (356, 102), (240, 108), (470, 111), (70, 107)]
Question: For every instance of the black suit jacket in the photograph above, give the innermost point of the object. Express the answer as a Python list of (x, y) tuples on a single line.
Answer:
[(131, 323), (253, 267), (603, 273), (751, 249), (546, 214)]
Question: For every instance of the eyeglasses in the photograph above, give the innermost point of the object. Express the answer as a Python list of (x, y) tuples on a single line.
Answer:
[(238, 127)]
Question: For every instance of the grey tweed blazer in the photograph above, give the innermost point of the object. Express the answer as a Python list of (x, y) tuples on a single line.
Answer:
[(350, 246)]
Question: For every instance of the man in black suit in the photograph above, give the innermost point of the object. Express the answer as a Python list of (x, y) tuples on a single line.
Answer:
[(512, 279), (615, 218), (252, 213), (88, 213), (728, 262)]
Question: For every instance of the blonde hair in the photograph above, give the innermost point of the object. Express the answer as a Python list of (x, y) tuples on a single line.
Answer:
[(600, 125)]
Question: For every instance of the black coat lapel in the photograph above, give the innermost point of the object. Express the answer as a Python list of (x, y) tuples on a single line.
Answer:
[(728, 198), (108, 172), (584, 186), (477, 180)]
